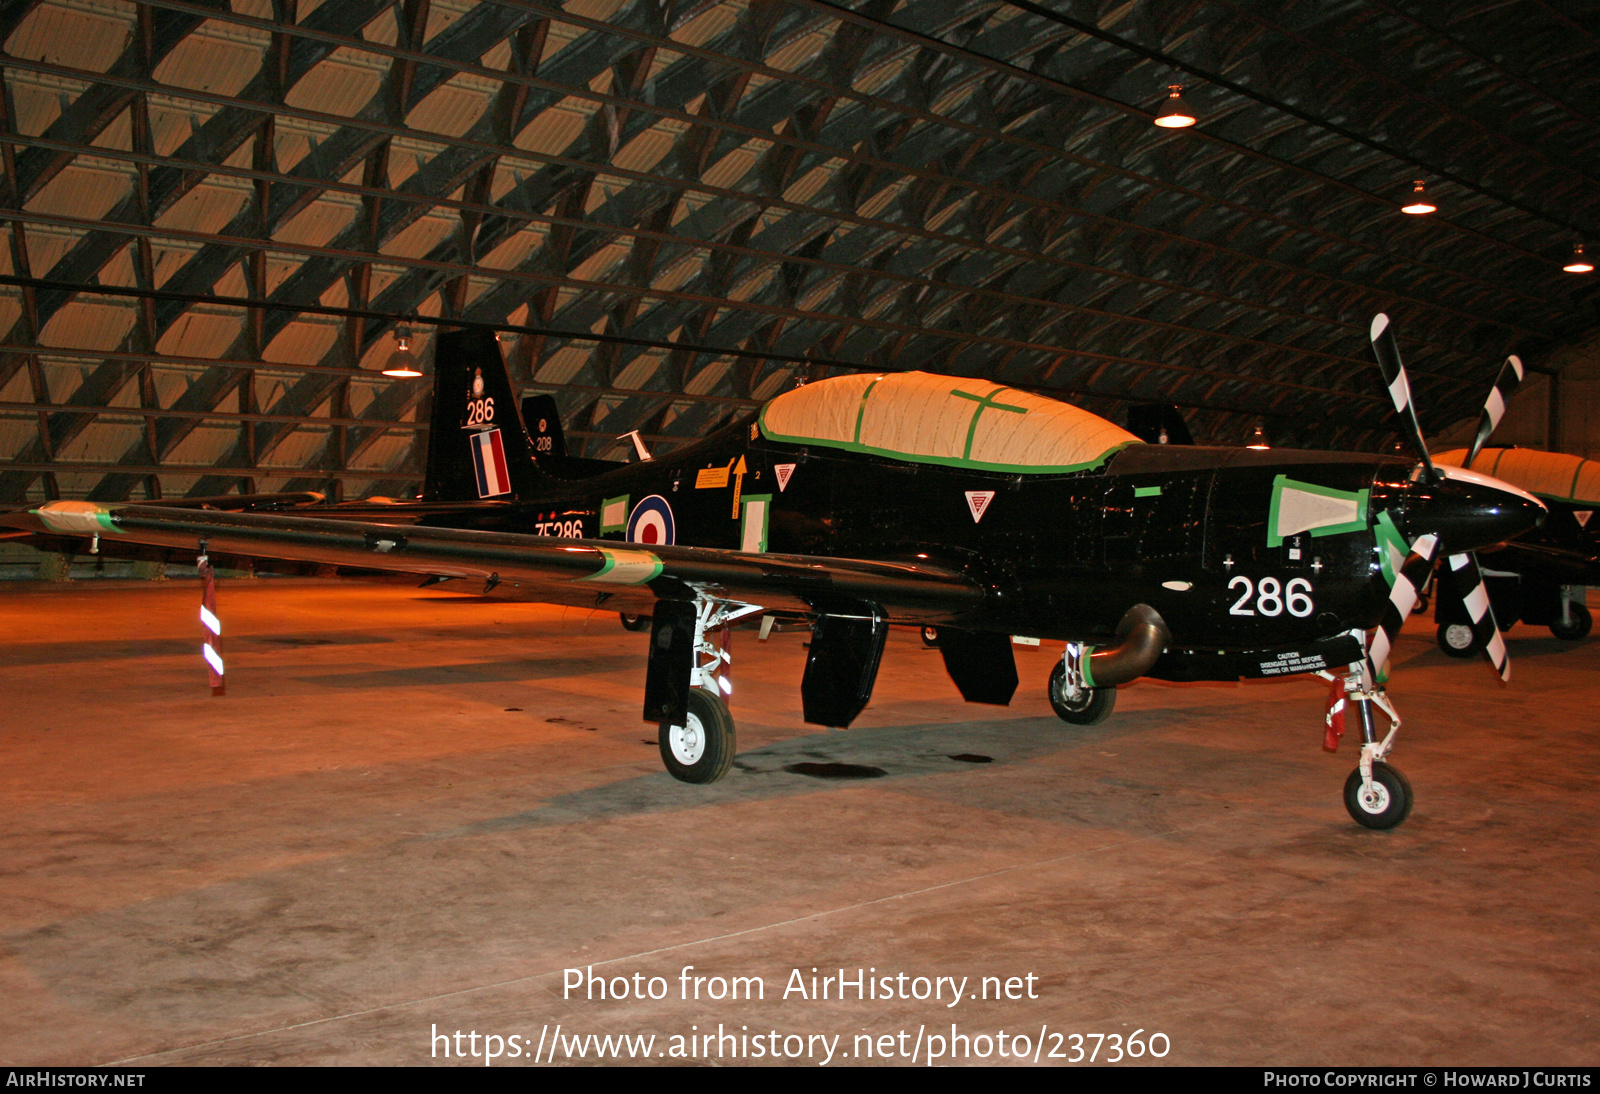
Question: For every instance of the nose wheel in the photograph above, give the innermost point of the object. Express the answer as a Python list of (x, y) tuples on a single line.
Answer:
[(1376, 794), (1383, 802), (1075, 702)]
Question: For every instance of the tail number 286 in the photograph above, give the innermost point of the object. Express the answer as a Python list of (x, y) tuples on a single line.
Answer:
[(1271, 597), (480, 411)]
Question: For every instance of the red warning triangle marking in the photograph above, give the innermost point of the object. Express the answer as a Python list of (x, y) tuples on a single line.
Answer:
[(1583, 516), (783, 471), (978, 501)]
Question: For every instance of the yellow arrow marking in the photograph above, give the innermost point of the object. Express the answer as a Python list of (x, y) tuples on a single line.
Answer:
[(739, 473)]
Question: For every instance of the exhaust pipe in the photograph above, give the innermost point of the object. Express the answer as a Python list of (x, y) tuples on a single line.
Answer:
[(1142, 635)]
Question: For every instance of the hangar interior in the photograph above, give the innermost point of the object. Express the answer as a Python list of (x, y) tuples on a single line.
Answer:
[(226, 218)]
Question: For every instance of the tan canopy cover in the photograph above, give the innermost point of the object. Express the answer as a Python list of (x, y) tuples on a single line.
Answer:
[(1548, 474), (926, 418)]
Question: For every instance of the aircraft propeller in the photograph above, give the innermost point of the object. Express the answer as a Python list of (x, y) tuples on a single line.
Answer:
[(1495, 407), (1394, 376), (1411, 576), (1426, 548)]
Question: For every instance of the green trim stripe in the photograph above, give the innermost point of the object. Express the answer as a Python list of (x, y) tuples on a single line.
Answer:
[(1086, 665), (614, 526), (954, 461), (985, 402), (765, 502), (626, 567), (83, 517), (1146, 491), (1282, 483), (1389, 539), (861, 410)]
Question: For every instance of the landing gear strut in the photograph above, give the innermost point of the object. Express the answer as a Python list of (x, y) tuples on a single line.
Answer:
[(1575, 620), (1376, 794), (701, 750), (1074, 699)]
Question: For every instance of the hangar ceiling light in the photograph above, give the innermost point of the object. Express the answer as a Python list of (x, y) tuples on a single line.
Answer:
[(402, 364), (1176, 113), (1419, 204)]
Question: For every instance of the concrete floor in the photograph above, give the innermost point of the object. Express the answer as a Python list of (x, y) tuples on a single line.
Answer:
[(414, 810)]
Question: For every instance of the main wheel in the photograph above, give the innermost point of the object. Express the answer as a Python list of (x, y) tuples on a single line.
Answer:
[(1460, 639), (633, 622), (1386, 804), (1088, 707), (700, 750), (1581, 622)]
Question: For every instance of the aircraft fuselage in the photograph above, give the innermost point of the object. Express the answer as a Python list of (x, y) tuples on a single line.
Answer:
[(1182, 528)]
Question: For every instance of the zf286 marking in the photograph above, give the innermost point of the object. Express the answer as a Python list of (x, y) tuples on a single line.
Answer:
[(567, 529)]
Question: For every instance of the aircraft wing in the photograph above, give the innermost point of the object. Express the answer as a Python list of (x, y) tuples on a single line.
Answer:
[(622, 576)]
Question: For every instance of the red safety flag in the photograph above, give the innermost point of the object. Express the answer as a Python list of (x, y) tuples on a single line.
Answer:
[(1334, 717)]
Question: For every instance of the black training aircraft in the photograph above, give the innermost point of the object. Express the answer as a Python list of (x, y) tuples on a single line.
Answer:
[(857, 502)]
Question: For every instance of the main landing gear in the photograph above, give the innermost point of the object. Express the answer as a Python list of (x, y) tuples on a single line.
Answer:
[(1575, 626), (1073, 696), (1376, 794), (701, 750), (1463, 639)]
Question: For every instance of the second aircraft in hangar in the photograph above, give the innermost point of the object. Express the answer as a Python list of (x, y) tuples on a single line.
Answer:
[(862, 501)]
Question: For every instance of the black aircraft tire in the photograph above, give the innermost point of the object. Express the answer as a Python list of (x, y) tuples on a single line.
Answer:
[(1460, 639), (1087, 710), (633, 622), (701, 751), (1390, 802), (1582, 621), (1423, 603)]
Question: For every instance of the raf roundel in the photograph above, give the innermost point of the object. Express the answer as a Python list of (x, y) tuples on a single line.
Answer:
[(651, 521)]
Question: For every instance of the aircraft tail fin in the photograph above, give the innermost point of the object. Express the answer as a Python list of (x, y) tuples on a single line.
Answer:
[(543, 420), (478, 447)]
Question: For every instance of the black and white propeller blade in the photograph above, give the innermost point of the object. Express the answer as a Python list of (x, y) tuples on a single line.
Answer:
[(1478, 607), (1394, 375), (1413, 576), (1495, 408), (1419, 563)]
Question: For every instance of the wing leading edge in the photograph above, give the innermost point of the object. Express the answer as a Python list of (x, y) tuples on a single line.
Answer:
[(563, 570)]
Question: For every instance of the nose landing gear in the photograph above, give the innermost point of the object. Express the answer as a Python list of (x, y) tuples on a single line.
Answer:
[(1073, 700), (1376, 794)]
